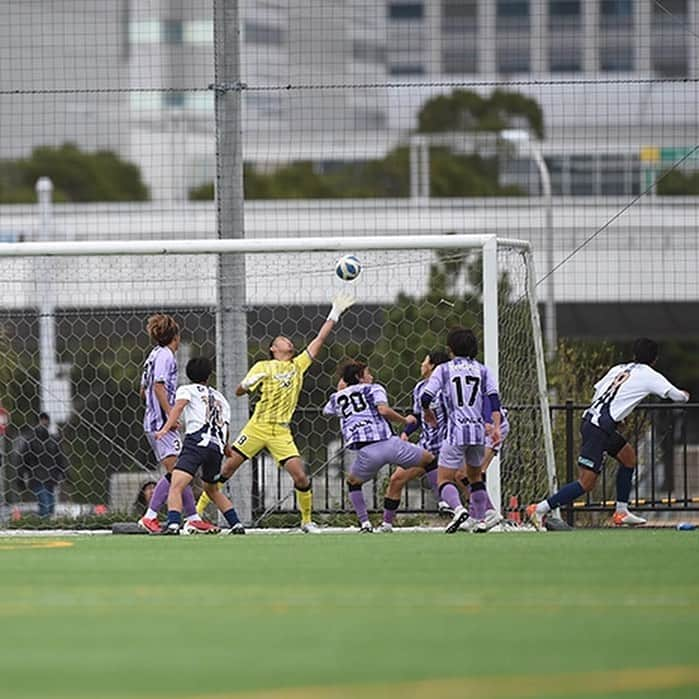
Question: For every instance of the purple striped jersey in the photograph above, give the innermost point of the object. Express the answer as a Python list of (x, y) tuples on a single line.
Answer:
[(159, 367), (360, 420), (463, 383), (431, 438)]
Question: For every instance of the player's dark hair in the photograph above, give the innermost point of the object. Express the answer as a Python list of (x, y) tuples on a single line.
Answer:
[(645, 350), (352, 372), (198, 369), (162, 328), (462, 342), (437, 357)]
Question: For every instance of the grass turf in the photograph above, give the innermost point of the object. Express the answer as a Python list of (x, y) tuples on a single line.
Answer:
[(407, 615)]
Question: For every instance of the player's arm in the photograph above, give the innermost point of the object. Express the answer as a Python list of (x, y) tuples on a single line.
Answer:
[(252, 379), (161, 396), (172, 418), (662, 388), (390, 414), (340, 304)]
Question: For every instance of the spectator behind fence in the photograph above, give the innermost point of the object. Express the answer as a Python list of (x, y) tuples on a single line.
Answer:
[(42, 465), (142, 500)]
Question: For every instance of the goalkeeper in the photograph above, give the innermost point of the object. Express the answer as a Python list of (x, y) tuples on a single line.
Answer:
[(279, 380)]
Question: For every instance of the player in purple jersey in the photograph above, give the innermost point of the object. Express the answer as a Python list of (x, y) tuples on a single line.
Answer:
[(430, 440), (617, 393), (158, 386), (464, 383), (364, 413)]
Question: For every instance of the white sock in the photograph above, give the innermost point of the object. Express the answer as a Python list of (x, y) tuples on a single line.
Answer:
[(151, 514), (543, 508), (192, 518), (622, 507)]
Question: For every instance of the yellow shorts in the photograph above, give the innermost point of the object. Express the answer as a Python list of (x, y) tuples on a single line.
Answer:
[(276, 438)]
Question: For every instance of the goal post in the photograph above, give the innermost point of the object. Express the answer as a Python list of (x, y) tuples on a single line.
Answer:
[(412, 289)]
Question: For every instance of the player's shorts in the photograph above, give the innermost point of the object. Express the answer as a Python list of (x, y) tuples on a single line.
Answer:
[(595, 444), (393, 450), (169, 445), (504, 429), (457, 456), (193, 457), (276, 438)]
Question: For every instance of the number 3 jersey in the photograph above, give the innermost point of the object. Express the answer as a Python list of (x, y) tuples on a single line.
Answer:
[(621, 389), (464, 384), (360, 420), (206, 415)]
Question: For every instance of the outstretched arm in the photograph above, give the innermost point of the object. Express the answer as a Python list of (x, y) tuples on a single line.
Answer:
[(172, 418), (341, 303)]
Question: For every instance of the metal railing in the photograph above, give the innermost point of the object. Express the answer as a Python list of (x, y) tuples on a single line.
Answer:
[(664, 435)]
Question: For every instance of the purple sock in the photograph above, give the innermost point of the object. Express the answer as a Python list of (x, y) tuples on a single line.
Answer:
[(189, 507), (389, 515), (488, 502), (478, 504), (432, 480), (357, 499), (159, 497), (450, 495)]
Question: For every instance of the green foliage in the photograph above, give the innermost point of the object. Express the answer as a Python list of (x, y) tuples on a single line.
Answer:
[(77, 176), (465, 110), (678, 183)]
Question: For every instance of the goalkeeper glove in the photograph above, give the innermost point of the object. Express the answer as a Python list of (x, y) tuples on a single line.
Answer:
[(340, 304), (250, 381)]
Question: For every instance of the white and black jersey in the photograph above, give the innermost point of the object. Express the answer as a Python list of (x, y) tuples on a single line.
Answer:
[(206, 415), (622, 388)]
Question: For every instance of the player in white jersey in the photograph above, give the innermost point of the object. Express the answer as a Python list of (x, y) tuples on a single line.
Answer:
[(621, 389), (206, 415)]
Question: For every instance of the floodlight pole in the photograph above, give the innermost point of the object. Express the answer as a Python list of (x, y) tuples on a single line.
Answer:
[(521, 140)]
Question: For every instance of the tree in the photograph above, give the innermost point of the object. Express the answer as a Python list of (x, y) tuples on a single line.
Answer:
[(77, 176), (677, 183)]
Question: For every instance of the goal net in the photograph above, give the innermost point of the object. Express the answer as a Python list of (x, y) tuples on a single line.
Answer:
[(73, 342)]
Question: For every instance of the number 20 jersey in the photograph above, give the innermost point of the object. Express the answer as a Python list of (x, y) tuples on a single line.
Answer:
[(463, 383), (360, 420)]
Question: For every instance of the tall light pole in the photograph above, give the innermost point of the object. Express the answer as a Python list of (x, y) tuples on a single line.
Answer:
[(525, 145)]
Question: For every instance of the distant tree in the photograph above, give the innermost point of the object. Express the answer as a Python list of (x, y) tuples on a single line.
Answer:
[(465, 110), (77, 176)]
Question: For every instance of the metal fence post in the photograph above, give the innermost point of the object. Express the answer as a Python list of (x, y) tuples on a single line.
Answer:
[(570, 458)]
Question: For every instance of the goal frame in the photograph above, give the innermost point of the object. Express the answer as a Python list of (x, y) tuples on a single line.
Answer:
[(487, 244)]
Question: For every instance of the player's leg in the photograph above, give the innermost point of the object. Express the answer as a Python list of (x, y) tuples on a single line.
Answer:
[(366, 465), (478, 497), (245, 446), (210, 471), (412, 463), (451, 459), (282, 447), (180, 480), (166, 451), (590, 460), (625, 455)]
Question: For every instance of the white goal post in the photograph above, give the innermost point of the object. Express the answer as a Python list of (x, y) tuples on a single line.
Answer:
[(489, 280)]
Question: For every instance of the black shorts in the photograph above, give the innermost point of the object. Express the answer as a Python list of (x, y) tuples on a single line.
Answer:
[(193, 457), (595, 444)]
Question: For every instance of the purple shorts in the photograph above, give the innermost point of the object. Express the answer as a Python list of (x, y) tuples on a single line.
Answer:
[(504, 429), (393, 450), (169, 445), (456, 456)]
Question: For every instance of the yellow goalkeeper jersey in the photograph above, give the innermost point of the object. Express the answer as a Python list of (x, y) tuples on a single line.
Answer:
[(280, 386)]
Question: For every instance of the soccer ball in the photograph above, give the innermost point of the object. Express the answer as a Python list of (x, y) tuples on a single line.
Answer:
[(348, 268)]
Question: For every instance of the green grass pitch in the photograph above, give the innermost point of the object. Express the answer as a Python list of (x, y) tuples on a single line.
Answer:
[(583, 614)]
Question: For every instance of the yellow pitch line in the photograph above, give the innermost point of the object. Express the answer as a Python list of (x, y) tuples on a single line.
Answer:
[(17, 545), (514, 687)]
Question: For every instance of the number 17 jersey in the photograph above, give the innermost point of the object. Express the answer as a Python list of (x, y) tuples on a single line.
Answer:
[(463, 383), (360, 420)]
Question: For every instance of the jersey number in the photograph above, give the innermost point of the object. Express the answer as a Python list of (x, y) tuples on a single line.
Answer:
[(472, 383), (355, 402), (610, 393)]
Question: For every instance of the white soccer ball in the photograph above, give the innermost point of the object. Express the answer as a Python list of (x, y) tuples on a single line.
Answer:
[(348, 268)]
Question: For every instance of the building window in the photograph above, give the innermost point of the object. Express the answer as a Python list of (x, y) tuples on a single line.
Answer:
[(406, 10), (616, 57), (564, 9), (512, 51), (407, 69), (459, 16), (669, 51), (513, 9), (616, 14), (171, 31), (460, 61), (173, 99), (257, 33)]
